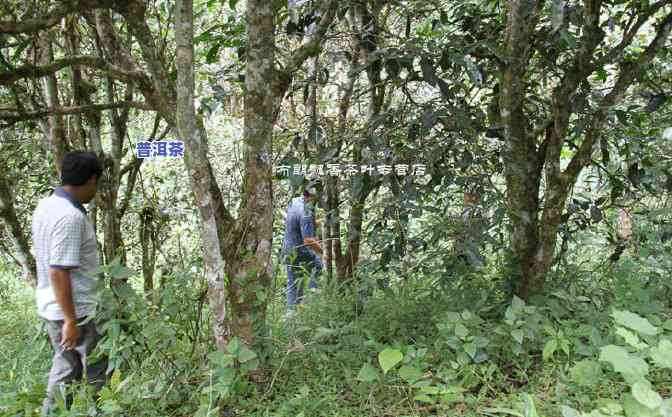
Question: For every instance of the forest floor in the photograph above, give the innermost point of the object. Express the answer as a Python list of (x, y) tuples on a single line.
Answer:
[(411, 352)]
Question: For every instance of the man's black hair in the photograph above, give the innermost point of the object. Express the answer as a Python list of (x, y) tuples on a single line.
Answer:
[(79, 166)]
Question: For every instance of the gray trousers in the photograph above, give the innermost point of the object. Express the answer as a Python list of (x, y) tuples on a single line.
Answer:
[(69, 366)]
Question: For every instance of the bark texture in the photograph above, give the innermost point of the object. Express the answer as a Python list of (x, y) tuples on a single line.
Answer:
[(200, 176), (236, 251), (21, 246), (248, 264), (366, 41), (530, 155)]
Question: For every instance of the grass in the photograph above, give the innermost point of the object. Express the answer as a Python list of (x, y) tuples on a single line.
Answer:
[(24, 348), (313, 360)]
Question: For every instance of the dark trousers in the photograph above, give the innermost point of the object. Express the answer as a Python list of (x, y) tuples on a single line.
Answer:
[(69, 366), (297, 274)]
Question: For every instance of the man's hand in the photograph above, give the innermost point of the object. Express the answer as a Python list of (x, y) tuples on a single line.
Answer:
[(70, 334), (313, 243), (60, 283)]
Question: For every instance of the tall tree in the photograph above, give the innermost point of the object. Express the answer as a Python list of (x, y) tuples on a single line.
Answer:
[(237, 251), (534, 153), (21, 248)]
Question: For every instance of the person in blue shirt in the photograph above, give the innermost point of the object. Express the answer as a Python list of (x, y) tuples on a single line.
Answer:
[(301, 251)]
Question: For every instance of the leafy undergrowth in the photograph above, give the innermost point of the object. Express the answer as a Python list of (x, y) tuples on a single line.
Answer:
[(411, 351), (24, 350)]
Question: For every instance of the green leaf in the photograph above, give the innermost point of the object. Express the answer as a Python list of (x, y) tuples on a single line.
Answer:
[(517, 334), (430, 390), (220, 358), (499, 410), (410, 373), (634, 322), (233, 346), (452, 397), (586, 373), (564, 346), (569, 412), (463, 359), (452, 317), (609, 406), (643, 393), (549, 349), (530, 410), (388, 358), (367, 374), (634, 408), (213, 53), (124, 290), (322, 333), (249, 366), (315, 135), (481, 342), (424, 398), (461, 331), (662, 354), (246, 355), (630, 338), (517, 303), (631, 367), (121, 272), (470, 349), (666, 408), (226, 376)]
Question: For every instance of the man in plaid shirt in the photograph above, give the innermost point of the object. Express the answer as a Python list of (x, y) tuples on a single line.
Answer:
[(66, 253)]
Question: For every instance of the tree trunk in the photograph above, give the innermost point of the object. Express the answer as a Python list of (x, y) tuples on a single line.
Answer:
[(333, 217), (366, 41), (19, 239), (112, 232), (521, 158), (248, 262), (247, 246), (148, 243), (193, 133), (57, 139), (526, 157)]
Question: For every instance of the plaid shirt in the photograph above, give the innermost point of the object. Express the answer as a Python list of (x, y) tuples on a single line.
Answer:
[(64, 238)]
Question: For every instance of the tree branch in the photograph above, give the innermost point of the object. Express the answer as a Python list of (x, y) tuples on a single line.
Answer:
[(522, 21), (581, 67), (133, 168), (307, 50), (164, 89), (54, 17), (37, 71), (628, 71), (631, 32), (13, 118)]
